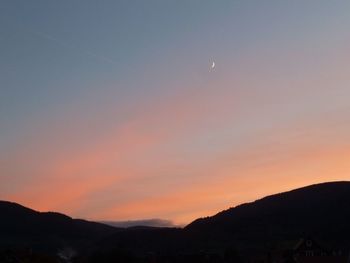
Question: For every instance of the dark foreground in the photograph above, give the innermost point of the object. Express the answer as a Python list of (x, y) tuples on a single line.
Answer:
[(309, 224)]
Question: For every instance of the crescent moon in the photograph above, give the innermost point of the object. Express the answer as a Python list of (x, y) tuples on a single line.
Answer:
[(213, 65)]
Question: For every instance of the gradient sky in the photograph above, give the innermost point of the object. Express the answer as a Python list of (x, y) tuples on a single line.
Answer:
[(109, 109)]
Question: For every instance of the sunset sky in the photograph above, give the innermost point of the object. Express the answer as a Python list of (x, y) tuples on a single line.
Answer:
[(110, 110)]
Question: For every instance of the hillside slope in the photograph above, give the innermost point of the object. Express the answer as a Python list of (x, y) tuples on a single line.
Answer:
[(21, 226), (321, 211)]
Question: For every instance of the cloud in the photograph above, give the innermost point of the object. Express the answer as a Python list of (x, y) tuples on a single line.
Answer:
[(144, 222)]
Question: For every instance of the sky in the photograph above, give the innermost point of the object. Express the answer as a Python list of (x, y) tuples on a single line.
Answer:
[(110, 110)]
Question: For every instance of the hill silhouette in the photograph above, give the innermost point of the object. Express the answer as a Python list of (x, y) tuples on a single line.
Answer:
[(21, 226), (320, 210), (273, 223)]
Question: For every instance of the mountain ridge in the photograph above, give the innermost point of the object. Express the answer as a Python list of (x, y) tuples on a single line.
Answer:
[(268, 197), (274, 222)]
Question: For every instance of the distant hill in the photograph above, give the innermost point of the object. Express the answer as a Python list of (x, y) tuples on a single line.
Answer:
[(21, 226), (144, 223), (273, 223), (321, 211)]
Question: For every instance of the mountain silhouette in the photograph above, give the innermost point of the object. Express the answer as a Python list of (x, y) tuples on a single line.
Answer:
[(320, 210), (273, 223), (144, 223), (21, 226)]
